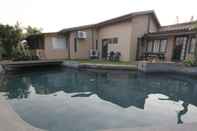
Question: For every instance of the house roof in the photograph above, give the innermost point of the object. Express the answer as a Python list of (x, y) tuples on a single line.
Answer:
[(179, 26), (114, 20), (78, 28), (42, 34), (129, 16), (177, 32)]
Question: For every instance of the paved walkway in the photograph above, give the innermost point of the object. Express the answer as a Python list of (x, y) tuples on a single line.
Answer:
[(10, 121)]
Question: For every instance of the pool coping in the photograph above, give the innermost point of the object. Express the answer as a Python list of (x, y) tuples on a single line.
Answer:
[(78, 65), (11, 121), (166, 67), (142, 66)]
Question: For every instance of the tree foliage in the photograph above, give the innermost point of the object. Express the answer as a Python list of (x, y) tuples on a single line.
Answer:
[(194, 25), (32, 31), (23, 52), (11, 36)]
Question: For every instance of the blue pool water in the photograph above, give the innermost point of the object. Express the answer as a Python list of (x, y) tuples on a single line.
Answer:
[(70, 100)]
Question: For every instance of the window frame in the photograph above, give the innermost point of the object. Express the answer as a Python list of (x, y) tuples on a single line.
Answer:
[(96, 45), (166, 43), (58, 44), (151, 48), (115, 40)]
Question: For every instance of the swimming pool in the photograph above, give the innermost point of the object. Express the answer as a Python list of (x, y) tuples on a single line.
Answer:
[(74, 100)]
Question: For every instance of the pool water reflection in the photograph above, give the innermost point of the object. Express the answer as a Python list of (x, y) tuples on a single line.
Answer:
[(93, 100)]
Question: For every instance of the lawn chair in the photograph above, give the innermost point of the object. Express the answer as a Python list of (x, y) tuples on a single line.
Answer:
[(94, 54), (117, 56), (111, 56)]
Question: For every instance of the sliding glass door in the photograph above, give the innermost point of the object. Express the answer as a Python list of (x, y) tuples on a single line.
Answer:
[(180, 48)]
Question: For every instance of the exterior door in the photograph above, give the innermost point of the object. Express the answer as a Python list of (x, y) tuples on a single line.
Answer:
[(180, 48), (104, 49)]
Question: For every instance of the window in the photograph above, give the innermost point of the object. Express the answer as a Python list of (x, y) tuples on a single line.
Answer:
[(156, 46), (115, 40), (96, 44), (40, 44), (111, 40), (75, 44), (163, 45), (36, 43), (58, 43), (150, 46)]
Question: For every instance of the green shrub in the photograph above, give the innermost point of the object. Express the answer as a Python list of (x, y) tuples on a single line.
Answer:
[(189, 61), (22, 53)]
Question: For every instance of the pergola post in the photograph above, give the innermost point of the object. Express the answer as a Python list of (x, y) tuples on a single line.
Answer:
[(195, 51)]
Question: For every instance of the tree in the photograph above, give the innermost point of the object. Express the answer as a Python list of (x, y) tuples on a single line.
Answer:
[(194, 25), (32, 31), (10, 36)]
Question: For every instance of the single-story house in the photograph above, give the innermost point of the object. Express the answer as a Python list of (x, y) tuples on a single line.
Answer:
[(135, 36)]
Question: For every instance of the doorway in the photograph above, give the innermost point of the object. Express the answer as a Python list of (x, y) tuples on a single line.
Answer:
[(104, 49), (179, 49)]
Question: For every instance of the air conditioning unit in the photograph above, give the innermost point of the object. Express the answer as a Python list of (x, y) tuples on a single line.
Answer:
[(81, 35)]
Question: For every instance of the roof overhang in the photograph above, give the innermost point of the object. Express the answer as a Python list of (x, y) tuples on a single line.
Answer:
[(85, 27), (171, 33)]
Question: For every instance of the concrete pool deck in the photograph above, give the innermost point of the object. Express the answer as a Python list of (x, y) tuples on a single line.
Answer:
[(166, 67), (10, 121), (9, 65), (184, 127)]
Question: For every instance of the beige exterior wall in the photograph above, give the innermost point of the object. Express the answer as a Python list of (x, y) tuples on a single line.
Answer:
[(139, 28), (127, 33), (83, 45), (120, 30), (50, 52), (153, 26)]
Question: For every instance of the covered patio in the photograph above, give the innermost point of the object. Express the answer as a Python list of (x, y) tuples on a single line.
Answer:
[(174, 45)]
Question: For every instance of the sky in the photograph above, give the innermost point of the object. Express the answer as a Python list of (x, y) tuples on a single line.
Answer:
[(54, 15)]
